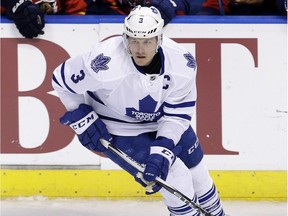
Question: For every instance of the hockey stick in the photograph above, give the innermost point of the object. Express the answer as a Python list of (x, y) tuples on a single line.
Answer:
[(158, 180)]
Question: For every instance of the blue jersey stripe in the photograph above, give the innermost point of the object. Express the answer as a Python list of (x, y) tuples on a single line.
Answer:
[(179, 105), (92, 95), (55, 80), (183, 116), (63, 78)]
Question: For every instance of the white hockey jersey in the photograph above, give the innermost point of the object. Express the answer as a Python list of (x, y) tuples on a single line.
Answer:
[(129, 101)]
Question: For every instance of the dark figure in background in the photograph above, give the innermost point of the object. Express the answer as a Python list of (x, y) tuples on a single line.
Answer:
[(244, 7), (29, 17)]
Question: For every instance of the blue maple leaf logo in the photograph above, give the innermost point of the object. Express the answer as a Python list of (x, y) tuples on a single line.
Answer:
[(100, 63), (146, 110), (191, 60)]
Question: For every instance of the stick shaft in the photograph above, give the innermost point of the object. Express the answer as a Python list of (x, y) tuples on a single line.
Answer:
[(141, 168)]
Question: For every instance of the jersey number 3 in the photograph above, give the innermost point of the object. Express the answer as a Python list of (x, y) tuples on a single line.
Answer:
[(78, 77)]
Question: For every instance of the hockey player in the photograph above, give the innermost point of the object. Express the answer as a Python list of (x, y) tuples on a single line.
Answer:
[(139, 92)]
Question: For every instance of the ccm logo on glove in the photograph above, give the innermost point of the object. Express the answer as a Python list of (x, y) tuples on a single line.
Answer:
[(80, 126), (88, 127), (168, 154)]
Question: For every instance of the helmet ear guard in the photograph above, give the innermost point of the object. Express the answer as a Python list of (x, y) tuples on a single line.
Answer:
[(143, 22)]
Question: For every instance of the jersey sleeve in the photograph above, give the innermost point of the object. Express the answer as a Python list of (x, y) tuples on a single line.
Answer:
[(72, 79), (179, 106)]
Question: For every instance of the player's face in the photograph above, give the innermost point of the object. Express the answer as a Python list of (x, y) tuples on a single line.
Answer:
[(142, 49)]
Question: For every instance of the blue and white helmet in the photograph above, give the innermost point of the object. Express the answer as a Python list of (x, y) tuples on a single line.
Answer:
[(143, 22)]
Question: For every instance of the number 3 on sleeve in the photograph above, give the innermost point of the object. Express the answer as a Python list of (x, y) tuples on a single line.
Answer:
[(78, 77)]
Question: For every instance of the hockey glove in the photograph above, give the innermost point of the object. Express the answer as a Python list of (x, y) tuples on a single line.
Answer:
[(28, 18), (150, 187), (169, 8), (89, 128), (162, 156)]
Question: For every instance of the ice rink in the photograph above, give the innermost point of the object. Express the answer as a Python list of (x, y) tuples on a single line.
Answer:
[(39, 206)]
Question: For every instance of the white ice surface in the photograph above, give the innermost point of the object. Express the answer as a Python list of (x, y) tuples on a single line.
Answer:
[(38, 206)]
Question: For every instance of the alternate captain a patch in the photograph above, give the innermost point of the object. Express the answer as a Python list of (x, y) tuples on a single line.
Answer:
[(100, 63)]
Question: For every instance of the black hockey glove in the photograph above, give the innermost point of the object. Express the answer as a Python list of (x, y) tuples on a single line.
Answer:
[(28, 18), (168, 8)]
